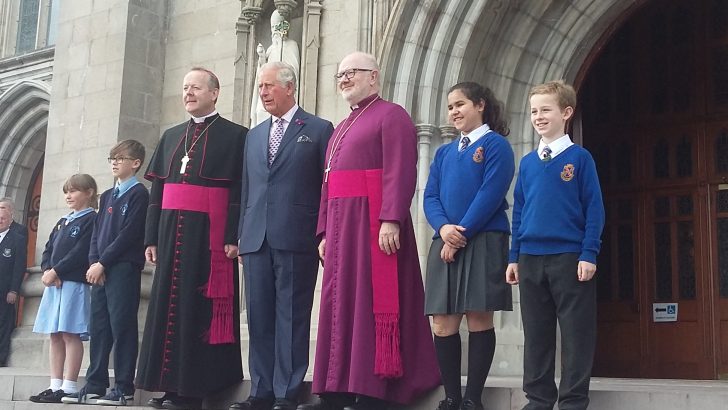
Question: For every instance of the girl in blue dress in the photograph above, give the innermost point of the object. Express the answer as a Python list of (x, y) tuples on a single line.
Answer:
[(64, 308), (465, 203)]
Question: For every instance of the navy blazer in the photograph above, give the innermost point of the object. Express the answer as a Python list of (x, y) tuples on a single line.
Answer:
[(13, 255), (280, 203)]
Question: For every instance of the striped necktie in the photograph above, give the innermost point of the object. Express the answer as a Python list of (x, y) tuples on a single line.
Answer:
[(464, 143)]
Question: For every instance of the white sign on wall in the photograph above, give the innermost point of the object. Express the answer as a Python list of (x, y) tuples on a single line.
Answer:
[(664, 312)]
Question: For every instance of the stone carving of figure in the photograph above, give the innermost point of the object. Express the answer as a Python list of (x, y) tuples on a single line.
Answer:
[(283, 49)]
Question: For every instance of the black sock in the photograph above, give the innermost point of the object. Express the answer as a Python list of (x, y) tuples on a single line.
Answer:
[(481, 348), (448, 357)]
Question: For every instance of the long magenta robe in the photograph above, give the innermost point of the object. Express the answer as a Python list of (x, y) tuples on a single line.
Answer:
[(383, 137)]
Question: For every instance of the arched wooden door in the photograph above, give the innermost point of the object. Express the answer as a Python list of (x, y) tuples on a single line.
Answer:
[(655, 116), (32, 207)]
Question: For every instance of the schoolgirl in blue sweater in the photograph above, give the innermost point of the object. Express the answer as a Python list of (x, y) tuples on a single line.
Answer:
[(64, 308), (558, 216), (465, 204)]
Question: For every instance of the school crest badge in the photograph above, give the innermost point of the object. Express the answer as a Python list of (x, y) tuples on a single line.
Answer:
[(568, 173), (479, 155), (75, 231), (7, 252), (124, 208)]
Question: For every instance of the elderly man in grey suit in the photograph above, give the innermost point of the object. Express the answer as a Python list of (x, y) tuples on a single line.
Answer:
[(282, 175)]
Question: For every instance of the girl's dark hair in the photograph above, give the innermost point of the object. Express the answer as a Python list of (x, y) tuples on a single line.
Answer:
[(493, 114)]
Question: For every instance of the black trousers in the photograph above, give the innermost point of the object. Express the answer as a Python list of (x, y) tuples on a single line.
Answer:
[(7, 324), (551, 292), (114, 324)]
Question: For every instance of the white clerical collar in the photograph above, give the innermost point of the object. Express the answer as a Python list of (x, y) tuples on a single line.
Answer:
[(198, 120), (366, 100), (288, 116), (557, 147)]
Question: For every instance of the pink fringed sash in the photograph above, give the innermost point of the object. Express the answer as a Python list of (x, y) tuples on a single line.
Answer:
[(214, 202), (385, 283)]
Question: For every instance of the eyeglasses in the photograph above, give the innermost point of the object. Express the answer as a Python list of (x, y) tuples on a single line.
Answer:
[(349, 74), (118, 159)]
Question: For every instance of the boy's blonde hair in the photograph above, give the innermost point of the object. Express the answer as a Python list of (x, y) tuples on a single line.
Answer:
[(565, 93), (83, 182)]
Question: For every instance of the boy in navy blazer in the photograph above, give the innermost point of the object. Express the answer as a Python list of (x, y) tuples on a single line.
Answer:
[(282, 175)]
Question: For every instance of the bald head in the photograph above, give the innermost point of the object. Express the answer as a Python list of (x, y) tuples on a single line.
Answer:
[(358, 77)]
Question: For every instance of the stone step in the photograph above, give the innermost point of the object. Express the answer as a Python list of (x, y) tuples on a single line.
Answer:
[(501, 393)]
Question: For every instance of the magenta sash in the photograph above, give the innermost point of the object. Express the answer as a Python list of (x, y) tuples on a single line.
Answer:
[(385, 281), (214, 202)]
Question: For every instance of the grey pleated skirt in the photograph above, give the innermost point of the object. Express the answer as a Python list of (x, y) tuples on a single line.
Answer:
[(475, 281)]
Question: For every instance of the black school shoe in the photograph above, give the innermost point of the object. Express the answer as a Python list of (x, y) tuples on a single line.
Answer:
[(182, 403), (48, 396)]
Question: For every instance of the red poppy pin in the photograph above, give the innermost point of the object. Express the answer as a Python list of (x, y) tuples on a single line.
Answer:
[(479, 155), (299, 121), (110, 209), (568, 173)]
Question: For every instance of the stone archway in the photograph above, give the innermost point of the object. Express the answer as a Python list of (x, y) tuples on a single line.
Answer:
[(430, 45), (24, 119)]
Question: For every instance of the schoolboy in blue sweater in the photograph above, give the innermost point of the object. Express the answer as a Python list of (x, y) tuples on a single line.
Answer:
[(558, 216), (116, 257)]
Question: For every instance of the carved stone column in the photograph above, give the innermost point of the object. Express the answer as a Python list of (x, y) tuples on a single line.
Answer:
[(425, 132), (448, 132), (310, 45), (245, 60)]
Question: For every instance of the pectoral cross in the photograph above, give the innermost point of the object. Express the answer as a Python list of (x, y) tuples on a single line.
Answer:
[(326, 174), (185, 160)]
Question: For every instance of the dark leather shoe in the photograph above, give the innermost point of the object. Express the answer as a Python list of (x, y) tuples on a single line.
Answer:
[(158, 402), (182, 403), (449, 404), (284, 404), (252, 403), (321, 405), (471, 405)]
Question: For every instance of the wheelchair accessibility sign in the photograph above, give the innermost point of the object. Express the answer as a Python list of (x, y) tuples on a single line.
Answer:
[(664, 312)]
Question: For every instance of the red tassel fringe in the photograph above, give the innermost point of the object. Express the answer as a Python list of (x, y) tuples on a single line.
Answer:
[(387, 360)]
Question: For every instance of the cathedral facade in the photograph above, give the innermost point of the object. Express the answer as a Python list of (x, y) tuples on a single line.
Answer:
[(652, 77)]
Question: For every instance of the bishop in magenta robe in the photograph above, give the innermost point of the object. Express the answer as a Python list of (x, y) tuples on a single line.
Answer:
[(373, 338)]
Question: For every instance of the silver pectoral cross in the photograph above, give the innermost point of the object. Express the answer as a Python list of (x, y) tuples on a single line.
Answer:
[(185, 160)]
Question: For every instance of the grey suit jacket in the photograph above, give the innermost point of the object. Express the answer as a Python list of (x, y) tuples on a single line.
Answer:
[(280, 203)]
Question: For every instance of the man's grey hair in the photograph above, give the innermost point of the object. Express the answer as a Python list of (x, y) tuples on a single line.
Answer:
[(10, 204), (285, 73)]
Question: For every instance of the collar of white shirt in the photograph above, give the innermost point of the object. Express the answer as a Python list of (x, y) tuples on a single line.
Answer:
[(475, 134), (198, 120), (287, 117), (557, 147), (3, 233)]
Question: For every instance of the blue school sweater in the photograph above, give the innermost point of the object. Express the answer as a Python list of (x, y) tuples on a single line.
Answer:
[(119, 232), (558, 206), (67, 248), (468, 188)]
